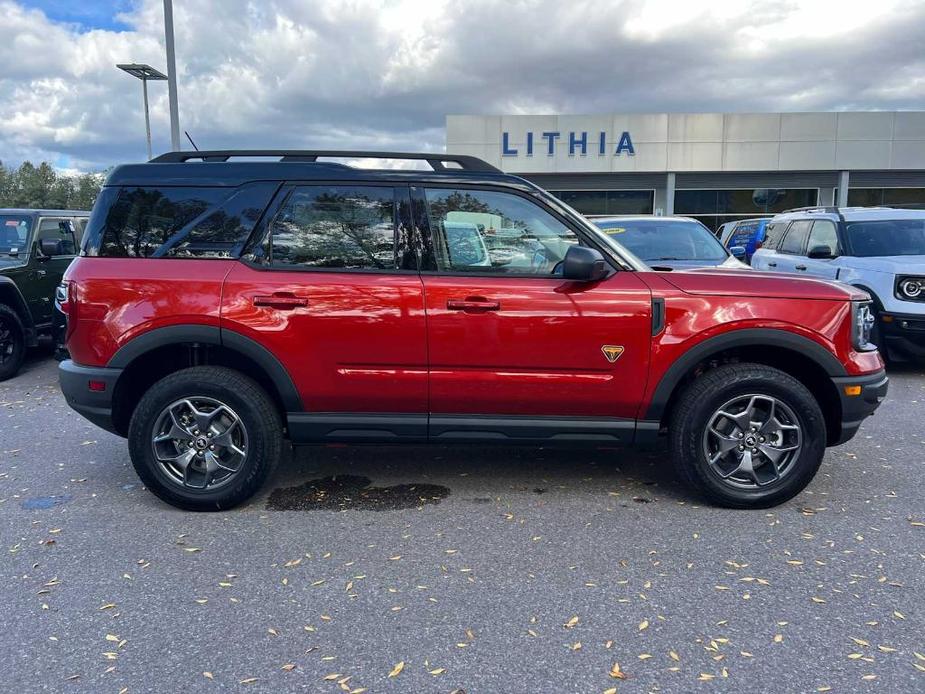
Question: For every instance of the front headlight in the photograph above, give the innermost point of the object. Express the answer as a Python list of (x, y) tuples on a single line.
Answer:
[(910, 288), (862, 324)]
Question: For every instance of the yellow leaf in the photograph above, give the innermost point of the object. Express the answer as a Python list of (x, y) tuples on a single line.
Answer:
[(288, 667), (612, 690), (815, 599), (571, 623), (208, 675), (437, 671), (898, 615), (644, 624), (330, 678), (645, 656), (616, 672), (868, 677), (191, 549), (860, 642), (112, 637), (855, 656), (705, 677), (576, 646), (248, 680), (778, 638), (886, 649), (674, 656), (396, 671)]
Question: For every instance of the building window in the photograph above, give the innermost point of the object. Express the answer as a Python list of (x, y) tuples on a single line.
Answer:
[(911, 198), (716, 207), (608, 201)]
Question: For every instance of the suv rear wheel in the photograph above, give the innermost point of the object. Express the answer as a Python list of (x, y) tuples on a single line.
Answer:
[(747, 436), (12, 343), (205, 438)]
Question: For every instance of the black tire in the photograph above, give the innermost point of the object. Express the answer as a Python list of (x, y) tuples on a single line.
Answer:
[(12, 342), (700, 403), (253, 408)]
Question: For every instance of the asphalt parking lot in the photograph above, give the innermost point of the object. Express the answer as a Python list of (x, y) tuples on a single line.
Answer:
[(453, 569)]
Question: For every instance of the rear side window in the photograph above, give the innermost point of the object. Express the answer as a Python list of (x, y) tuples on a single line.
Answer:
[(175, 221), (773, 234), (796, 237), (335, 227)]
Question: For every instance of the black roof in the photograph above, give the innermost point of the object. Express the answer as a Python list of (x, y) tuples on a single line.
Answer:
[(226, 168)]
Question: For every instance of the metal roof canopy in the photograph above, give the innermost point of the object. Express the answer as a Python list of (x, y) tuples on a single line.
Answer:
[(142, 72)]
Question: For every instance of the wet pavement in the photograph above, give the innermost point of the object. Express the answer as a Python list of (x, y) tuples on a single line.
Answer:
[(415, 569)]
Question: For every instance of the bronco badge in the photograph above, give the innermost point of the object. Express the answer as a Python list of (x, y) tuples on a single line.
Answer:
[(612, 352)]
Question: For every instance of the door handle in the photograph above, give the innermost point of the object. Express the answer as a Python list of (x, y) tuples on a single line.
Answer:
[(473, 304), (40, 273), (800, 267), (284, 302), (772, 264)]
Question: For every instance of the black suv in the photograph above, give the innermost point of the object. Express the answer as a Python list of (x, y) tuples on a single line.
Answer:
[(36, 246)]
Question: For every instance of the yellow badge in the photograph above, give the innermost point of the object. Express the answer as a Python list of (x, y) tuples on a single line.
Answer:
[(612, 352)]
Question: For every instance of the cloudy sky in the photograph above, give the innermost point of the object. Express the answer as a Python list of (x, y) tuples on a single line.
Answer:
[(383, 74)]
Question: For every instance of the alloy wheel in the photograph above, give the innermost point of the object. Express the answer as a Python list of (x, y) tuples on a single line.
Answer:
[(199, 443), (752, 441)]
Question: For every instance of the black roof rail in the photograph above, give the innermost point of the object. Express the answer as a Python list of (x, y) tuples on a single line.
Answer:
[(436, 160), (829, 209)]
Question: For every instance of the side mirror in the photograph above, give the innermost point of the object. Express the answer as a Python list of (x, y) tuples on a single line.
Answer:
[(738, 252), (820, 253), (583, 264), (50, 247)]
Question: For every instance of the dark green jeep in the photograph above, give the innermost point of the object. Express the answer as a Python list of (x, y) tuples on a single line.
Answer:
[(36, 246)]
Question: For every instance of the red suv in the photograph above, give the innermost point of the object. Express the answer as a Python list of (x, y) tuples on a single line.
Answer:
[(220, 307)]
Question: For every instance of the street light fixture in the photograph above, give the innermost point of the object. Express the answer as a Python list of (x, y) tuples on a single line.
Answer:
[(144, 73)]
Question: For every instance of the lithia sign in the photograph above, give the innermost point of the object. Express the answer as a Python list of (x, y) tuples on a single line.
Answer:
[(578, 143)]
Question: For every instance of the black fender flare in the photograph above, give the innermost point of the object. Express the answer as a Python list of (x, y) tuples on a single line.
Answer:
[(10, 295), (749, 337), (213, 335)]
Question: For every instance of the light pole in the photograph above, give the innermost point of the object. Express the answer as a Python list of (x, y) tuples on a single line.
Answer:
[(172, 77), (144, 73)]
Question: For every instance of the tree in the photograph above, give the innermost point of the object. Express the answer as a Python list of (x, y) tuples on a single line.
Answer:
[(41, 186)]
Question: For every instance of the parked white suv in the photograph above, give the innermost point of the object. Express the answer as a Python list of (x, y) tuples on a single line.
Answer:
[(878, 249)]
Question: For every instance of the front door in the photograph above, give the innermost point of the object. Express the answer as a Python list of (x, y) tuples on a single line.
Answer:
[(47, 269), (822, 235), (513, 348), (334, 293)]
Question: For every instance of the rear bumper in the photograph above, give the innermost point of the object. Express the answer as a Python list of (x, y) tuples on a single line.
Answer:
[(95, 405), (856, 408)]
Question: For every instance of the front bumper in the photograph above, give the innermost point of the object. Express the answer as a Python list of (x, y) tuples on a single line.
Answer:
[(856, 408), (95, 404), (903, 334)]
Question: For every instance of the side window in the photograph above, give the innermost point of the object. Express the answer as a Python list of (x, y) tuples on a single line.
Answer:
[(824, 234), (773, 234), (60, 231), (336, 227), (494, 232), (795, 239)]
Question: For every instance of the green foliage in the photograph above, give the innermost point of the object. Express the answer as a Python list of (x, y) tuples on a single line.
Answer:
[(41, 187)]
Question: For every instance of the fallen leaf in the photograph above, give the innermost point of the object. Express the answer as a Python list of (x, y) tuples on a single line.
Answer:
[(396, 671), (616, 672), (644, 624)]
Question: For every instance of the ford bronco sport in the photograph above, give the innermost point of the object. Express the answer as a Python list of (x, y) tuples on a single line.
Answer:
[(220, 307), (36, 246)]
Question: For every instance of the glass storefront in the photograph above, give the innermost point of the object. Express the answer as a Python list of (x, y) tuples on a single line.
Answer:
[(608, 201), (910, 198), (716, 207)]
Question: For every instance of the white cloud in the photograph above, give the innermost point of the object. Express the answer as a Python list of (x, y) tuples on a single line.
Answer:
[(375, 74)]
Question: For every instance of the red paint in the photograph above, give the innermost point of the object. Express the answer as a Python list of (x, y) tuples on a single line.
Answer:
[(408, 343)]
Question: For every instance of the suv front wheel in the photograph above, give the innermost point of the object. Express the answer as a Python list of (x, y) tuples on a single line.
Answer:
[(747, 436), (205, 438), (12, 343)]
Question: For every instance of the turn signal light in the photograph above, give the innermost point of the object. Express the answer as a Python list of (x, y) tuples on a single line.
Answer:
[(852, 390), (97, 386)]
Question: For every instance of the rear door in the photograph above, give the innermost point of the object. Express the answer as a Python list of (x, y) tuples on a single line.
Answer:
[(823, 234), (790, 251), (334, 293), (766, 257), (516, 351)]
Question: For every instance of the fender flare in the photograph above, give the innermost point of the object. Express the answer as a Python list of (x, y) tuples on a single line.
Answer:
[(213, 335), (18, 303), (749, 337)]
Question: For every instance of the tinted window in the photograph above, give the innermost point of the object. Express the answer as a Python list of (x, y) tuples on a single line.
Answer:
[(823, 234), (343, 227), (175, 222), (773, 235), (796, 237), (654, 240), (487, 231), (59, 230), (888, 237)]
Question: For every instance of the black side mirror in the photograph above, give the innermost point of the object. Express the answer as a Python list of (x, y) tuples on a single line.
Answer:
[(583, 264), (820, 253), (51, 247)]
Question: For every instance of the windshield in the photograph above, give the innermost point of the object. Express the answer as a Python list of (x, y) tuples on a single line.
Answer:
[(14, 233), (654, 239), (887, 237)]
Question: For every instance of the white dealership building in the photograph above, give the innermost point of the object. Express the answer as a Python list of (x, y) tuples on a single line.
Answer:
[(712, 166)]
